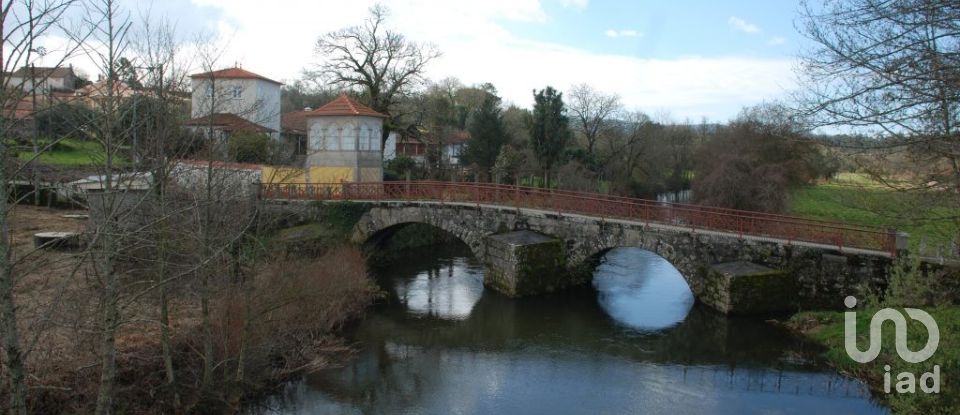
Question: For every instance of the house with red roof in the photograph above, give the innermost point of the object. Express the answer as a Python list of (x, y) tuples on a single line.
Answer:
[(345, 134), (293, 130), (228, 95)]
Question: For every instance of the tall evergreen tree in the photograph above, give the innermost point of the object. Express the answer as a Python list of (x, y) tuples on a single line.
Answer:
[(488, 135), (549, 131)]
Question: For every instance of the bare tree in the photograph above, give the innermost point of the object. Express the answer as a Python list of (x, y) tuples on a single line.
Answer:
[(627, 146), (158, 51), (890, 70), (22, 24), (591, 109), (224, 214), (383, 63), (109, 27)]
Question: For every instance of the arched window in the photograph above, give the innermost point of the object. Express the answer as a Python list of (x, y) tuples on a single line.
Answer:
[(348, 138), (375, 139), (316, 142), (363, 138), (335, 137)]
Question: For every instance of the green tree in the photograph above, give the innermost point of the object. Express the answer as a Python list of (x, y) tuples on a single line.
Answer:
[(549, 130), (63, 120), (488, 135)]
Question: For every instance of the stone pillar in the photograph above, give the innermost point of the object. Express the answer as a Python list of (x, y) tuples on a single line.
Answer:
[(524, 263), (746, 288)]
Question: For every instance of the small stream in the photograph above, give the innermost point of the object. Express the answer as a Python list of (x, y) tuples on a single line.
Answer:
[(634, 342)]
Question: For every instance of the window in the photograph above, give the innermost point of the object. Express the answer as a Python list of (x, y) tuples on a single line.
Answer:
[(334, 139), (349, 140), (236, 91), (363, 138), (316, 139), (375, 139)]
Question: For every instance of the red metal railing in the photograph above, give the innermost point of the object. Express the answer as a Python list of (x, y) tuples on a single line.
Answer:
[(694, 217)]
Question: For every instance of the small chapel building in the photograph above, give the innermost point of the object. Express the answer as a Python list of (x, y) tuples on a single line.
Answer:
[(345, 134)]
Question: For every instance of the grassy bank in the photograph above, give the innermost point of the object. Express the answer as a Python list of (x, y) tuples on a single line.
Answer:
[(855, 199), (827, 328), (72, 153)]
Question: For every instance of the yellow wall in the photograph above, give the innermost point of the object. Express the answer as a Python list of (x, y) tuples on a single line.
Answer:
[(371, 174), (331, 174), (270, 174), (313, 175)]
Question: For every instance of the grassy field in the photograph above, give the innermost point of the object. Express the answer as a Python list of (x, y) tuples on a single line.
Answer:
[(72, 153), (856, 199), (827, 328)]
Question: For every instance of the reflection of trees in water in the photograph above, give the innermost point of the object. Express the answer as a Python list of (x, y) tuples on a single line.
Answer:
[(411, 362), (574, 321), (570, 320), (402, 376), (449, 290)]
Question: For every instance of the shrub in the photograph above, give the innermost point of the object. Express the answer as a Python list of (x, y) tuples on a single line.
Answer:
[(401, 168), (249, 147)]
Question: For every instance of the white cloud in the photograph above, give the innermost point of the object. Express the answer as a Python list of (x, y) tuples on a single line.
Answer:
[(477, 48), (622, 33), (742, 25), (579, 5), (776, 41)]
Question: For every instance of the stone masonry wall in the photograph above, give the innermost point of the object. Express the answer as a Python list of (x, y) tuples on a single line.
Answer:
[(823, 276)]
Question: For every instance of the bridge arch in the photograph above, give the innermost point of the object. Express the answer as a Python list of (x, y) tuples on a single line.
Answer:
[(691, 266), (822, 275), (378, 225)]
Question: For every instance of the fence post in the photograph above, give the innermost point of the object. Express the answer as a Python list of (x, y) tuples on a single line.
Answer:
[(516, 196), (840, 241)]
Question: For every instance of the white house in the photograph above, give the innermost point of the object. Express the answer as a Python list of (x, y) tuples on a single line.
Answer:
[(46, 79), (346, 134), (239, 92)]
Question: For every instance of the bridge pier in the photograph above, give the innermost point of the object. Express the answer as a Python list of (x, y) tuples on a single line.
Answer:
[(524, 263), (743, 287), (818, 275)]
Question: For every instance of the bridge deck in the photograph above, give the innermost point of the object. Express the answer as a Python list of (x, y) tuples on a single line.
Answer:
[(742, 224), (651, 225)]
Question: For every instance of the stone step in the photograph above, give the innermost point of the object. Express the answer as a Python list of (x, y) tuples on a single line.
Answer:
[(56, 240)]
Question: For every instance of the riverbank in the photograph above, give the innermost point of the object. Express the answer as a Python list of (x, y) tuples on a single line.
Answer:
[(827, 329), (286, 318)]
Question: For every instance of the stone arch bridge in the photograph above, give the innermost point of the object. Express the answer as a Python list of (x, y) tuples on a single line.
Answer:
[(534, 240)]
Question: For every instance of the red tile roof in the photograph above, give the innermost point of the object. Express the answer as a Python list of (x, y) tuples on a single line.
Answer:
[(344, 105), (228, 122), (458, 137), (121, 89), (294, 122), (233, 73)]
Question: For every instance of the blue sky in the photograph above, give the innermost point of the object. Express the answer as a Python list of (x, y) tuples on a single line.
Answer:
[(671, 29), (684, 59)]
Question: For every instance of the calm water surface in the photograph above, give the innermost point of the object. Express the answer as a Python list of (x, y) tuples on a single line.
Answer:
[(635, 342)]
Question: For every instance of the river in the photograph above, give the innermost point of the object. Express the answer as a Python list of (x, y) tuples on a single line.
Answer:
[(634, 342)]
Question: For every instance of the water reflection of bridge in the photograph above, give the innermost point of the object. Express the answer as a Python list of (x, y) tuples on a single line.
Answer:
[(563, 354)]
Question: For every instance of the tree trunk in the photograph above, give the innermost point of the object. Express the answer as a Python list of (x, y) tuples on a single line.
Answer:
[(12, 353), (110, 314), (207, 331), (108, 349), (165, 346)]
